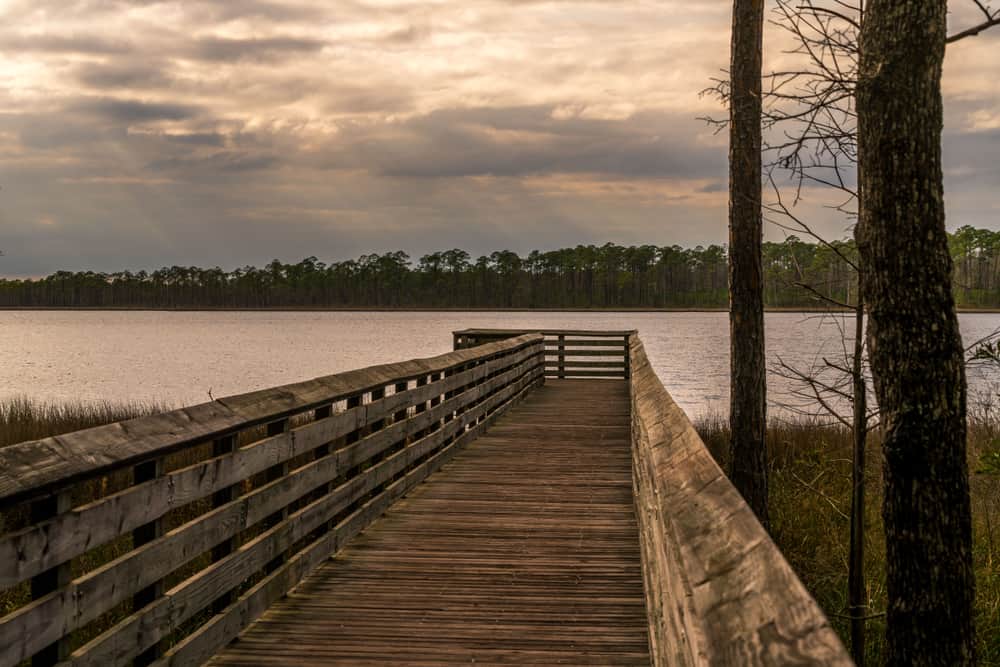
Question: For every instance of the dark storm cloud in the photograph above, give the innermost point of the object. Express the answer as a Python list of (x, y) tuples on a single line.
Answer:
[(133, 111), (223, 163), (222, 49), (512, 142), (130, 76), (230, 10), (63, 44), (197, 138)]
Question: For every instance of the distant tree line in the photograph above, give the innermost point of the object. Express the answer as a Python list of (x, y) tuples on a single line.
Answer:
[(607, 276)]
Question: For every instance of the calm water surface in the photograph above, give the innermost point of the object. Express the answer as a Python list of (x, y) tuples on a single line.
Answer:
[(178, 357)]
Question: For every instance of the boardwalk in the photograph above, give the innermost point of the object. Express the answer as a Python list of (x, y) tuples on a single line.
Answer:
[(522, 550), (532, 497)]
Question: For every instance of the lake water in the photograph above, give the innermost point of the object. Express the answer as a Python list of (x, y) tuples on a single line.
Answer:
[(178, 357)]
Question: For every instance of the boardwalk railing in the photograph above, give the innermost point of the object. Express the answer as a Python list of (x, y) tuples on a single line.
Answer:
[(161, 538), (568, 353), (158, 540), (718, 590)]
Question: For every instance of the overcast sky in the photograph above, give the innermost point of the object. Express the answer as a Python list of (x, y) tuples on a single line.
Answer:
[(141, 133)]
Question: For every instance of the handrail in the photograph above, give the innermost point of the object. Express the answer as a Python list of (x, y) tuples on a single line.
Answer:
[(185, 526), (596, 333), (568, 353), (718, 590), (37, 467)]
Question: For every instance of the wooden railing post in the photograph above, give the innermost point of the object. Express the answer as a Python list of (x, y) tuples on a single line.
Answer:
[(274, 473), (436, 401), (51, 579), (221, 447), (628, 358), (562, 356), (144, 534), (420, 407)]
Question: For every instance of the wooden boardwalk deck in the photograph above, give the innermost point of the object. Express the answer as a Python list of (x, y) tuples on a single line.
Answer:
[(522, 550)]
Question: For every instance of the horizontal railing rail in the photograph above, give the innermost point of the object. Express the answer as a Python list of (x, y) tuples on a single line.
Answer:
[(159, 539), (718, 590), (568, 353)]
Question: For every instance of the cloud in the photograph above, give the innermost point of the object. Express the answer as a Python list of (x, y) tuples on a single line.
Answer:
[(123, 76), (127, 111), (224, 162), (63, 44), (523, 141), (269, 49), (220, 132)]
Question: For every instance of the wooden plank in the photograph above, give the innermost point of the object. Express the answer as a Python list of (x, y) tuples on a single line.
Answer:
[(409, 591), (61, 611), (124, 640), (36, 467), (573, 363), (201, 645), (26, 553), (718, 589), (620, 354), (570, 343)]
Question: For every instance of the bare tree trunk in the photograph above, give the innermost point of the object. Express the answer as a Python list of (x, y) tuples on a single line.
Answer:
[(746, 308), (857, 598), (914, 340)]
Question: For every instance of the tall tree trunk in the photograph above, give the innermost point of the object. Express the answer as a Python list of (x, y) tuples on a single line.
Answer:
[(857, 595), (747, 411), (914, 341)]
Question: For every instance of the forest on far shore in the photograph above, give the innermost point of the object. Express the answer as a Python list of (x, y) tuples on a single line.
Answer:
[(797, 274)]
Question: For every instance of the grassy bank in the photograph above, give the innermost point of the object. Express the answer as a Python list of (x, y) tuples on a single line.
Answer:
[(810, 504)]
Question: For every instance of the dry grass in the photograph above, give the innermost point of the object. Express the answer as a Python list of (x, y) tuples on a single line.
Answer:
[(23, 419), (810, 495)]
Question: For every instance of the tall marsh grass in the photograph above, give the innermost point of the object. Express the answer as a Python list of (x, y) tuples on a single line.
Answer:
[(24, 419), (810, 501)]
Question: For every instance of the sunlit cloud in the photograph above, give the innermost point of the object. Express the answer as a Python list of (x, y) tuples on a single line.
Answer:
[(219, 132)]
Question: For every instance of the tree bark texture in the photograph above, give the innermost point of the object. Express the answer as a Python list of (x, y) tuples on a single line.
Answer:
[(857, 595), (747, 411), (914, 341)]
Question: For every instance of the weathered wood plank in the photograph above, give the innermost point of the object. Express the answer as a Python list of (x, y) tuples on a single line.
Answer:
[(610, 353), (571, 373), (36, 467), (132, 635), (425, 582), (718, 590), (570, 343), (46, 544), (573, 363), (204, 643), (141, 567)]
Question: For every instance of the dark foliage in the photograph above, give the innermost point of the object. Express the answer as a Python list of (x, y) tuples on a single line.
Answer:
[(607, 276)]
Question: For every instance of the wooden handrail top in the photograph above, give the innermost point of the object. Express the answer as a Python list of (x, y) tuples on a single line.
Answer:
[(596, 333), (39, 467), (718, 589)]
